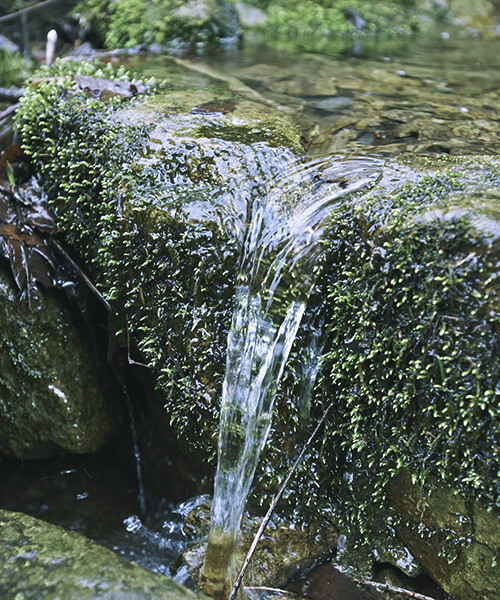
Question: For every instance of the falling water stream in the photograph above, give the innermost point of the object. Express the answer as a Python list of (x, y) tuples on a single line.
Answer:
[(278, 266)]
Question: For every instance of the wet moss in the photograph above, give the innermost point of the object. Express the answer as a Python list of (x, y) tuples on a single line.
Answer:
[(122, 184), (411, 362)]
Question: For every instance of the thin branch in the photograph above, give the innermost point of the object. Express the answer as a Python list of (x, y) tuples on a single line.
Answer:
[(85, 278), (264, 588), (23, 11), (392, 588), (275, 501)]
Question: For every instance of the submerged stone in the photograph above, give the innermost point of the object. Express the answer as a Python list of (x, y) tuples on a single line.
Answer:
[(40, 560), (283, 551)]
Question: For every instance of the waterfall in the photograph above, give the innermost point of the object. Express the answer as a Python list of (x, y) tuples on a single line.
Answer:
[(277, 270)]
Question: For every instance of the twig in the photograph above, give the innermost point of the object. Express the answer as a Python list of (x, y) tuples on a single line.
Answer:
[(85, 278), (264, 588), (392, 588), (275, 501), (23, 11)]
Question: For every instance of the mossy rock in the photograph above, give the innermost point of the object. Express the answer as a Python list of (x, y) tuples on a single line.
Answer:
[(147, 194), (41, 560), (466, 571), (127, 23), (51, 395)]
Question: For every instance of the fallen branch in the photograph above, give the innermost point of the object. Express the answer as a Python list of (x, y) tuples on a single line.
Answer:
[(392, 588), (24, 11), (85, 278), (275, 501)]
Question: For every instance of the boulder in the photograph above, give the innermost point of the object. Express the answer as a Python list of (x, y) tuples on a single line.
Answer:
[(40, 560), (51, 394), (152, 194), (455, 539)]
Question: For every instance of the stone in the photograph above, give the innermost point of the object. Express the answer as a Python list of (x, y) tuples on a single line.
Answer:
[(40, 560), (51, 395), (282, 552), (457, 541)]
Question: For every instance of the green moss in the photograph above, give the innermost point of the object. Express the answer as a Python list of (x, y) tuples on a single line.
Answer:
[(411, 362), (40, 560), (126, 23), (321, 25)]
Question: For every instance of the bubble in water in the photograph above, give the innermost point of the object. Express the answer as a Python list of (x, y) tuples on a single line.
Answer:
[(132, 524)]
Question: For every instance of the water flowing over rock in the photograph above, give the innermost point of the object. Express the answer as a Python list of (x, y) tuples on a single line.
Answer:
[(150, 196), (278, 267)]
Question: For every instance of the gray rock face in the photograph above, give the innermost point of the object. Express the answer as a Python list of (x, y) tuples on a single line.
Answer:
[(40, 560)]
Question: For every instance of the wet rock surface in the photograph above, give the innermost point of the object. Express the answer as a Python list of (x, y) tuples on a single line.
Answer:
[(454, 539), (283, 550), (51, 394), (39, 560)]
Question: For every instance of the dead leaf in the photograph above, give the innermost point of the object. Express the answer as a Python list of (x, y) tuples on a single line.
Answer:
[(24, 223), (216, 106)]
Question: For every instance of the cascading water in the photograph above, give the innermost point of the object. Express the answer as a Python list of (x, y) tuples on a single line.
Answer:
[(278, 265)]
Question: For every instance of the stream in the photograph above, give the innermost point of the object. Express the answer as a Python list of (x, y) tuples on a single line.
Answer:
[(436, 95)]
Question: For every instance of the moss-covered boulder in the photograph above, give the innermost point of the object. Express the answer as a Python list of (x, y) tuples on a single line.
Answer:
[(180, 159), (152, 194), (126, 23), (51, 394), (40, 560)]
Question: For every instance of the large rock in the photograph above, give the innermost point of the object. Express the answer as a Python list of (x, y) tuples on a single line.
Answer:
[(51, 394), (153, 196), (40, 560), (435, 526), (185, 164)]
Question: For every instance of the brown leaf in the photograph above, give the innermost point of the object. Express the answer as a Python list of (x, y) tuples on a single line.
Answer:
[(108, 89), (23, 241), (216, 106)]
